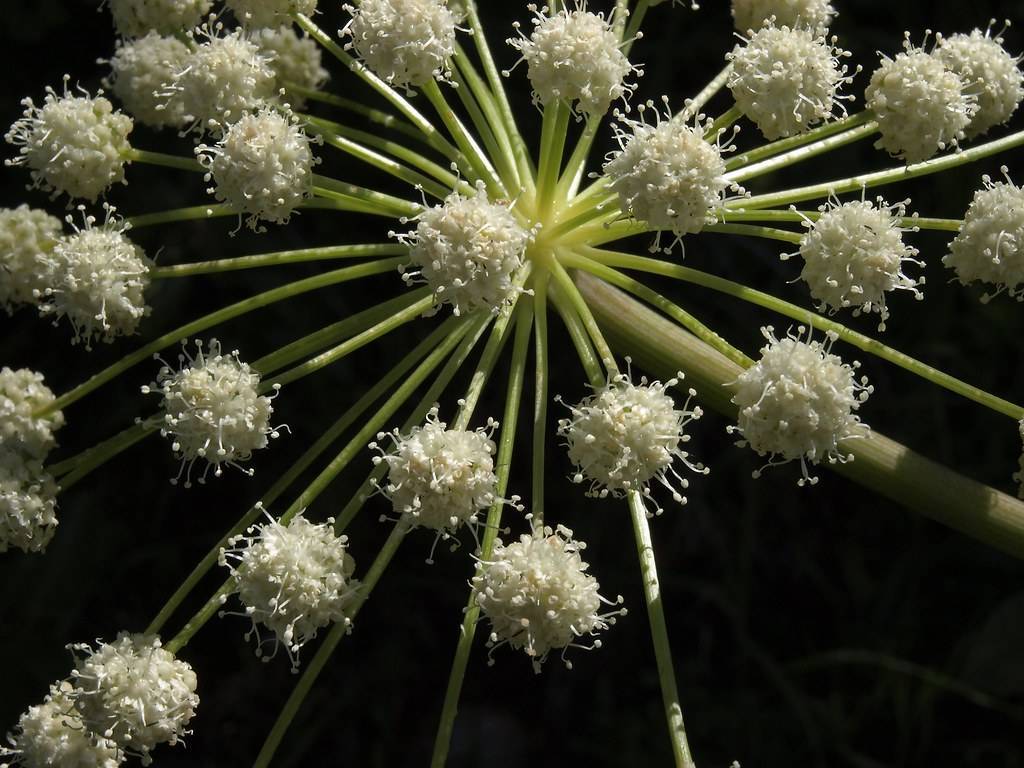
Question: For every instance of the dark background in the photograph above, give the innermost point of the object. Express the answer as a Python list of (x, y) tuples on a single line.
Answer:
[(822, 626)]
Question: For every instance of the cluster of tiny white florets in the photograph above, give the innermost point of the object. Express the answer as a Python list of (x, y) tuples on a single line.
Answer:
[(262, 166), (26, 234), (75, 145), (28, 503), (990, 245), (854, 255), (140, 71), (538, 596), (574, 56), (295, 59), (787, 79), (405, 42), (225, 77), (988, 71), (52, 735), (666, 173), (751, 15), (920, 106), (799, 401), (134, 18), (22, 394), (133, 692), (439, 478), (97, 278), (213, 410), (625, 435), (293, 579), (468, 250), (269, 13)]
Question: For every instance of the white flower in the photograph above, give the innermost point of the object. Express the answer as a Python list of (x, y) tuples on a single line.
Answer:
[(666, 174), (750, 15), (52, 735), (920, 106), (854, 254), (786, 79), (213, 410), (22, 393), (295, 59), (25, 235), (293, 579), (269, 13), (28, 502), (574, 56), (538, 596), (468, 251), (140, 72), (134, 18), (987, 71), (133, 692), (97, 279), (625, 435), (75, 145), (405, 42), (798, 402), (990, 245), (262, 166)]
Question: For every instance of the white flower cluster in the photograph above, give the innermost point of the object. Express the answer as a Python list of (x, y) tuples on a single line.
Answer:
[(75, 145), (786, 79), (538, 596), (26, 236), (854, 255), (295, 59), (625, 435), (799, 402), (574, 56), (293, 579), (213, 410), (989, 247), (262, 166), (467, 250), (405, 42), (134, 18), (140, 71), (269, 13), (751, 15)]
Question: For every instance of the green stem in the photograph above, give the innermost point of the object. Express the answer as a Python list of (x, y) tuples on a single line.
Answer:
[(552, 144), (181, 214), (580, 340), (571, 177), (496, 152), (943, 225), (569, 291), (378, 202), (161, 159), (81, 465), (540, 400), (782, 145), (659, 633), (693, 106), (635, 22), (277, 258), (722, 122), (750, 230)]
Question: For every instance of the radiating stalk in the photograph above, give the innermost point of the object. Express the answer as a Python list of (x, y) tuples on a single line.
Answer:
[(552, 144), (540, 400), (568, 290), (167, 161), (98, 455), (277, 258), (191, 213), (782, 145), (920, 222)]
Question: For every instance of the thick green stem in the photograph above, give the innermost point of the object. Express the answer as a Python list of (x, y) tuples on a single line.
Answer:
[(375, 202), (161, 159), (552, 145), (540, 400), (783, 145)]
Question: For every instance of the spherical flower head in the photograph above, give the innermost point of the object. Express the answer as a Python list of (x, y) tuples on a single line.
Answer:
[(140, 72), (26, 234), (538, 596), (625, 435), (295, 59), (52, 734), (440, 478), (22, 394), (987, 70), (28, 503), (405, 42), (75, 145), (133, 692), (97, 279), (751, 15), (990, 245), (799, 401), (225, 77), (854, 255), (262, 167), (269, 13), (213, 410), (293, 579), (574, 56), (786, 79), (920, 106), (468, 251), (666, 174), (134, 18)]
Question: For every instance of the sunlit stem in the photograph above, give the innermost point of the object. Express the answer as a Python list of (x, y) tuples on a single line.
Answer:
[(378, 202), (920, 222), (752, 230), (506, 445), (580, 340), (498, 153), (782, 145), (572, 175), (167, 161), (552, 144), (540, 400), (182, 214), (278, 258), (722, 122), (659, 632), (568, 289)]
